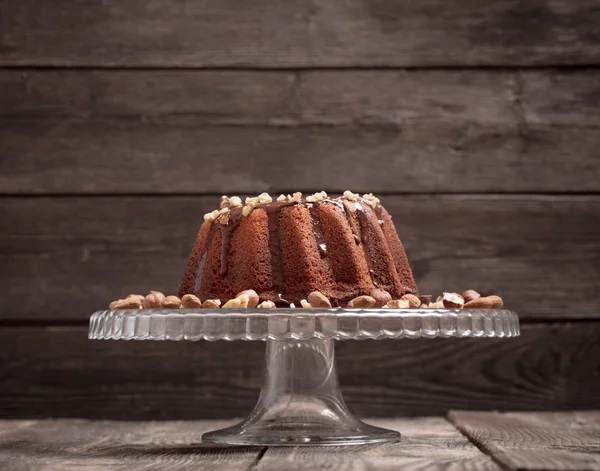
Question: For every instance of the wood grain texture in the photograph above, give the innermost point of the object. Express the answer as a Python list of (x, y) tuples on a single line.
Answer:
[(58, 372), (66, 257), (427, 444), (317, 33), (306, 97), (79, 444), (533, 441), (253, 131), (262, 97)]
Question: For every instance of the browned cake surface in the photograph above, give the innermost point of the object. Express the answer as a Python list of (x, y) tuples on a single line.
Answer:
[(283, 251)]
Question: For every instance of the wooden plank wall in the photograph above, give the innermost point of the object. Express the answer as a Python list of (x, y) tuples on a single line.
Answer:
[(121, 122)]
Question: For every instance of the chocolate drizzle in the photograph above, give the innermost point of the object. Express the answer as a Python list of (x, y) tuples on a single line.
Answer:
[(202, 264), (235, 216), (273, 212), (317, 230), (281, 300)]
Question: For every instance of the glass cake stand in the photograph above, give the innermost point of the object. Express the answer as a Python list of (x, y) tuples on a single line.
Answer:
[(300, 402)]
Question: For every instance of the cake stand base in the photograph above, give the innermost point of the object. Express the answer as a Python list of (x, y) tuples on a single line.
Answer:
[(301, 403)]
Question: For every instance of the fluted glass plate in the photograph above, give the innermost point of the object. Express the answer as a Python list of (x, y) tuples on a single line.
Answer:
[(302, 324)]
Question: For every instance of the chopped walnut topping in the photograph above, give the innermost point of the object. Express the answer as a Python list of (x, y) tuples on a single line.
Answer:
[(224, 216), (319, 196), (350, 196), (247, 209), (264, 198), (305, 304), (212, 215), (252, 200), (235, 201), (290, 198), (371, 200)]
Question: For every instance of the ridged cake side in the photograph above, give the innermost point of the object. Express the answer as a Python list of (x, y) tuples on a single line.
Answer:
[(285, 250)]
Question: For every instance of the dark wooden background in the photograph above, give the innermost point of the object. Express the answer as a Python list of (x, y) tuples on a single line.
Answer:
[(121, 122)]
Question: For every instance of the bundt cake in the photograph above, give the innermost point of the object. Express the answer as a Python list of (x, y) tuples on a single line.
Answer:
[(285, 249)]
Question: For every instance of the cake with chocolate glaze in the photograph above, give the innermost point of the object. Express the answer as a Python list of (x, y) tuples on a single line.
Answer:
[(285, 249)]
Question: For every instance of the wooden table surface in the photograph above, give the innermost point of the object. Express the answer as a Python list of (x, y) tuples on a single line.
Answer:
[(463, 440)]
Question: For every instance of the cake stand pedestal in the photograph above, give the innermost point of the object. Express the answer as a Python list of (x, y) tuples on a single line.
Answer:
[(300, 402)]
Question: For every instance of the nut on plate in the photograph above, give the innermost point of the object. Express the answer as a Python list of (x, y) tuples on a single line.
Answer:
[(211, 304), (485, 302), (413, 301), (362, 302), (381, 297), (305, 304), (452, 300), (318, 299), (153, 299), (398, 304), (129, 303), (266, 305), (425, 299), (496, 301), (189, 301), (171, 302), (136, 296), (252, 297), (436, 305), (470, 295), (240, 302), (479, 303)]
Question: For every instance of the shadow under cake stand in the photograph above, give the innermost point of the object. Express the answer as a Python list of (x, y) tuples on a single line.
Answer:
[(300, 402)]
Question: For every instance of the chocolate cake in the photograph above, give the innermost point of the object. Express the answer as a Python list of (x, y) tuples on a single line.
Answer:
[(342, 247)]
